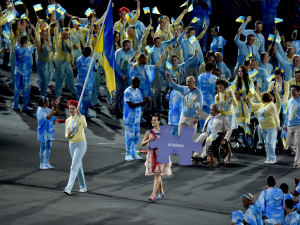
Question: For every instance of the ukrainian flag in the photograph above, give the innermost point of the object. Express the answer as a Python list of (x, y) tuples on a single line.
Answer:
[(128, 16), (192, 39), (278, 39), (51, 8), (270, 78), (61, 11), (190, 9), (105, 45), (37, 7), (195, 20), (169, 65), (173, 20), (6, 34), (241, 19), (146, 10), (155, 10), (271, 37), (284, 138), (186, 3), (278, 20), (245, 127), (10, 17), (212, 137), (88, 12), (18, 2), (232, 86), (148, 49)]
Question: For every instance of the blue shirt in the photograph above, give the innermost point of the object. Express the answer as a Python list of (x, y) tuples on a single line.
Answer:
[(283, 54), (268, 68), (271, 201), (189, 50), (45, 129), (261, 79), (175, 107), (259, 38), (23, 60), (244, 50), (253, 215), (140, 28), (217, 43), (207, 85), (179, 72), (292, 219), (83, 65), (288, 68), (132, 115), (225, 72), (122, 62), (293, 113), (189, 108)]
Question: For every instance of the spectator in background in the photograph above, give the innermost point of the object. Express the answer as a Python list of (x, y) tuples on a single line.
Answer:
[(202, 10), (220, 65), (285, 189), (292, 217)]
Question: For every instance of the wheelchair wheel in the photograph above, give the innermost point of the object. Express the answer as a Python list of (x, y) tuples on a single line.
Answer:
[(224, 154), (165, 101)]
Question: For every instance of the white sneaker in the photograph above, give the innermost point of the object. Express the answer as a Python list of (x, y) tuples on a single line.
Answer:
[(82, 191), (67, 192), (272, 162), (267, 162), (128, 158)]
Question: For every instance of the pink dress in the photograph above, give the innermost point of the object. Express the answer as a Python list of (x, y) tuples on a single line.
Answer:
[(152, 166)]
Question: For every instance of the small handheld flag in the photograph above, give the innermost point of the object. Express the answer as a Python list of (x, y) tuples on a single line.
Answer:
[(184, 4), (146, 10), (241, 19), (128, 16), (251, 88), (232, 86), (61, 10), (173, 20), (37, 7), (212, 137), (278, 20), (271, 37), (148, 49), (192, 39), (10, 17), (270, 78), (18, 2), (250, 54), (203, 24), (169, 65), (278, 39), (23, 15), (88, 12), (190, 9), (195, 20), (245, 127), (51, 8), (155, 11), (75, 22), (252, 73)]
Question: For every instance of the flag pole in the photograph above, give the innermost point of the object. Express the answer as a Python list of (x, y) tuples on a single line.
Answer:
[(90, 68)]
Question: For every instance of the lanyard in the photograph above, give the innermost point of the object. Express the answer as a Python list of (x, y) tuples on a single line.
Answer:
[(189, 92)]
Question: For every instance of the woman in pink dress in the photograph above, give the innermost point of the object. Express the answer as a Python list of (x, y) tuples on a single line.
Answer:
[(152, 166)]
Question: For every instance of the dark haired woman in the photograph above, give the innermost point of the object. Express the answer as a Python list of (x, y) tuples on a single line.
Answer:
[(271, 201), (152, 166), (45, 131), (218, 42), (269, 124), (210, 58), (117, 40), (77, 144)]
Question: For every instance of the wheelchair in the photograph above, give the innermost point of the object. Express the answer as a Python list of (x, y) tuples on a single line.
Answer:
[(243, 142), (221, 152)]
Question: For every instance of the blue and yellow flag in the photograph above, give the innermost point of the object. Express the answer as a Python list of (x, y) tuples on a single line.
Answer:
[(51, 8), (146, 10), (212, 137), (241, 19), (173, 20), (270, 78), (190, 9), (88, 12), (149, 49), (10, 17), (169, 65), (278, 20), (232, 86), (278, 39), (271, 37), (195, 20), (245, 127), (283, 137), (61, 11), (128, 16), (192, 39), (105, 45), (6, 34), (186, 3), (155, 11), (18, 2), (37, 7)]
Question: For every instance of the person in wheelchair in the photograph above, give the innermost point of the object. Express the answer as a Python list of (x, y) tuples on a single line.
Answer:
[(214, 127)]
